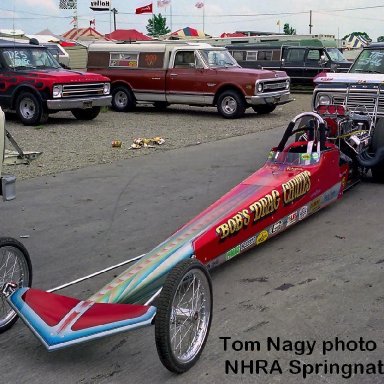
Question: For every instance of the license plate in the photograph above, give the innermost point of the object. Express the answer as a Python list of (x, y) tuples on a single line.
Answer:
[(87, 104), (276, 100)]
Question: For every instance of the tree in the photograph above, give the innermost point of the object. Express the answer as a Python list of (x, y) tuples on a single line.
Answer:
[(157, 26), (380, 39), (288, 30)]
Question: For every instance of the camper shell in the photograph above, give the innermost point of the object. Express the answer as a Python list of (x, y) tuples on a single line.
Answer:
[(302, 60)]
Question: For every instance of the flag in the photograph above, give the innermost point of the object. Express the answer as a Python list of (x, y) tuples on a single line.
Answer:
[(92, 22), (163, 3), (278, 23), (74, 20), (145, 9), (199, 4), (100, 5), (68, 4)]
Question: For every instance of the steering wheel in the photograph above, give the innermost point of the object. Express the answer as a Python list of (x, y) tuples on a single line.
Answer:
[(290, 131)]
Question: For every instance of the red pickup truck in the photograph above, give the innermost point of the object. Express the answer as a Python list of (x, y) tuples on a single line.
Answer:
[(186, 73), (33, 84)]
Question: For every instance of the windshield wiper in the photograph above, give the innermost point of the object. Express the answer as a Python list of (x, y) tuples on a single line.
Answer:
[(23, 67)]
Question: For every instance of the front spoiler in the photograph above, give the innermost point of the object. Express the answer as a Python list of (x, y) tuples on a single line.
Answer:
[(60, 321)]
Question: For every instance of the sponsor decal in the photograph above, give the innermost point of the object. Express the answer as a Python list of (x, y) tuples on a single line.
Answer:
[(263, 236), (330, 195), (305, 156), (303, 212), (315, 156), (232, 253), (277, 227), (297, 187), (293, 189), (315, 205), (292, 218), (248, 243)]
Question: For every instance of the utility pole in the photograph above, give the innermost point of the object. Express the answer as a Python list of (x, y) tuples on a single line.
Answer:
[(310, 22), (114, 11)]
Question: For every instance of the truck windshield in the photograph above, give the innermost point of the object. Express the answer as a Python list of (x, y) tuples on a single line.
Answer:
[(29, 58), (336, 55), (369, 61), (218, 58)]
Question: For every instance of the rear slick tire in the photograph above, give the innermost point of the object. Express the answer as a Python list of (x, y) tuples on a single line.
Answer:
[(15, 267), (184, 315)]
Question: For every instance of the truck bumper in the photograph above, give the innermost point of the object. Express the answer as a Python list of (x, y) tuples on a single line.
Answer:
[(83, 103), (270, 98)]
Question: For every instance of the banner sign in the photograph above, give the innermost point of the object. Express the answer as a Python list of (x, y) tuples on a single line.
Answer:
[(100, 5)]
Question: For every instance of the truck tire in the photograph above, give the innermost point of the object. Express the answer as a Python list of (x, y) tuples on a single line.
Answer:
[(86, 114), (30, 109), (264, 109), (231, 105), (122, 99), (377, 142)]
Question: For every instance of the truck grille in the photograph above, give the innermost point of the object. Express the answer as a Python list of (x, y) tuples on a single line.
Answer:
[(363, 100), (274, 86), (83, 90)]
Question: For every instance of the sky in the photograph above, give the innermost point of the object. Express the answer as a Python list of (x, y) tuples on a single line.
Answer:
[(338, 18)]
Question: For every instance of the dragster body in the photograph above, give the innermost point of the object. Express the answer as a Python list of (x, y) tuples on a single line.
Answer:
[(299, 178)]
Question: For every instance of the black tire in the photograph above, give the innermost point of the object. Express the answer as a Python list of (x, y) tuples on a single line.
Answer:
[(16, 267), (231, 105), (378, 142), (122, 99), (264, 109), (86, 114), (160, 105), (30, 109), (171, 319)]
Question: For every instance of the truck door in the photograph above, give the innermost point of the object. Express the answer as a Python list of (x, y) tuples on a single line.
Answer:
[(293, 63), (185, 81), (312, 63)]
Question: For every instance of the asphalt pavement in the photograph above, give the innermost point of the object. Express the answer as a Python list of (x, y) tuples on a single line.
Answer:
[(307, 303)]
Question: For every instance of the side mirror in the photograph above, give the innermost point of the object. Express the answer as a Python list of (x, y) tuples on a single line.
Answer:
[(323, 60)]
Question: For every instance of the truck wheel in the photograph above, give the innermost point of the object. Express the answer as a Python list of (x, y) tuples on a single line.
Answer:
[(15, 267), (30, 109), (231, 105), (184, 315), (377, 142), (264, 109), (122, 99), (86, 114)]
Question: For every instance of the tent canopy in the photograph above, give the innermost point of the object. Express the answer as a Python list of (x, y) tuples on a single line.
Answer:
[(235, 34), (83, 34), (127, 35), (188, 33)]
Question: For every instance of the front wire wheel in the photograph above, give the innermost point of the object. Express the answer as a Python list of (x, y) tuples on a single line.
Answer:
[(15, 267), (184, 315)]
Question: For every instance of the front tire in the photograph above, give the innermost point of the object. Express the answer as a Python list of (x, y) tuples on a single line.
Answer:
[(122, 99), (184, 315), (30, 109), (264, 109), (15, 267), (86, 114), (231, 105)]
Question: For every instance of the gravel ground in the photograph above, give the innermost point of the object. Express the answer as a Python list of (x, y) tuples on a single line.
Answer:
[(69, 144)]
